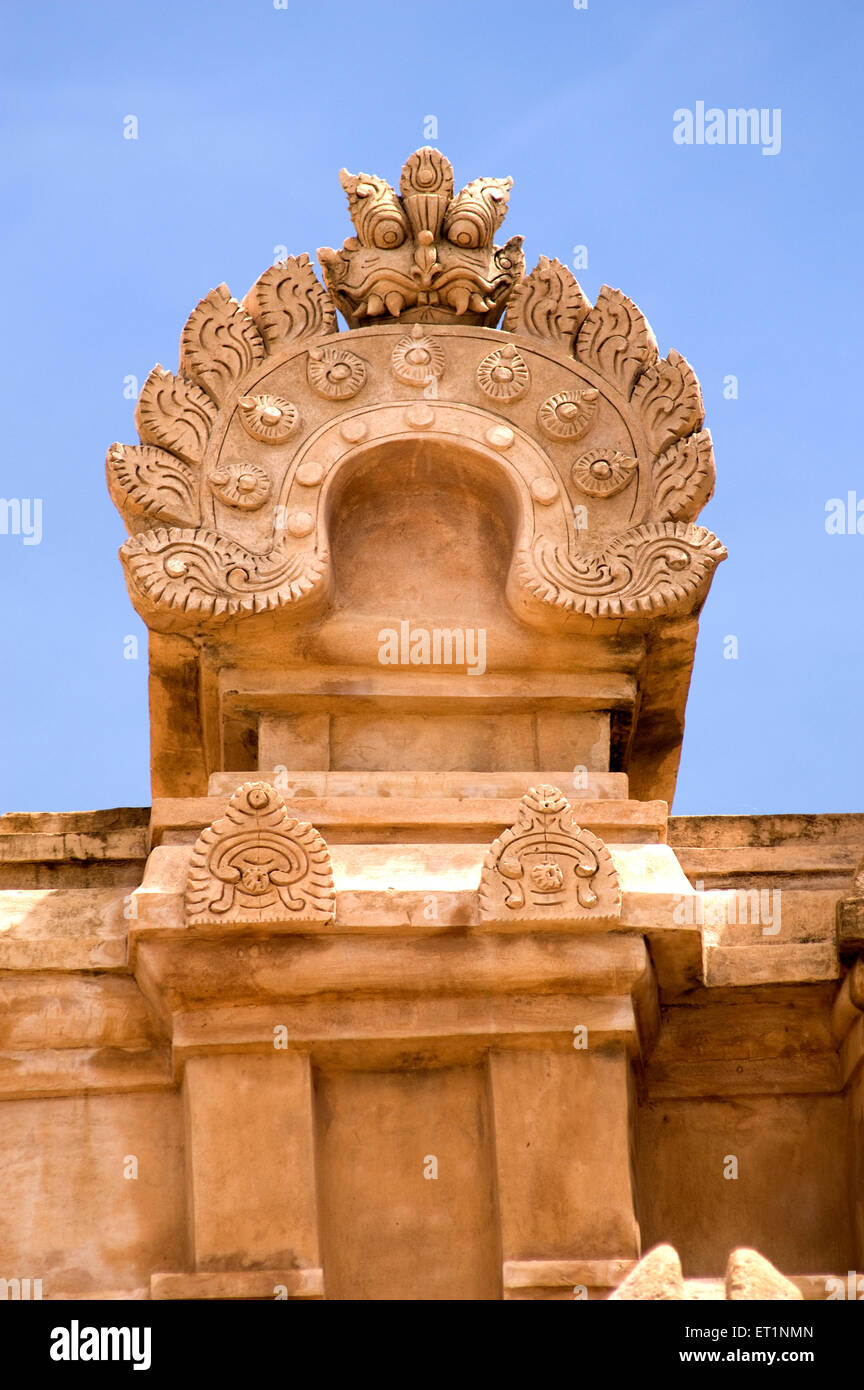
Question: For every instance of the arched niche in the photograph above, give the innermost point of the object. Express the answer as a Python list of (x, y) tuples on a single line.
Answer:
[(424, 529)]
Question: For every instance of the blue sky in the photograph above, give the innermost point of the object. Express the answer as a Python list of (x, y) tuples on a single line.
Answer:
[(747, 263)]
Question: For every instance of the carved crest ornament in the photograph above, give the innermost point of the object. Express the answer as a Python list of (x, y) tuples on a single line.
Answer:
[(599, 439), (546, 869), (257, 864)]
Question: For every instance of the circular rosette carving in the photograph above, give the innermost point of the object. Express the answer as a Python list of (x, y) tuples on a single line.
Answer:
[(335, 372), (659, 568), (417, 358), (504, 374), (204, 575), (603, 472), (547, 876), (269, 419), (569, 414), (238, 484)]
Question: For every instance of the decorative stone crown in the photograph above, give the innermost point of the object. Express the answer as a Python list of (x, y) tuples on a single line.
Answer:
[(597, 439), (427, 256)]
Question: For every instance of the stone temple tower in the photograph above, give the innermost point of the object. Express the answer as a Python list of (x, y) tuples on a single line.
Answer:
[(419, 994)]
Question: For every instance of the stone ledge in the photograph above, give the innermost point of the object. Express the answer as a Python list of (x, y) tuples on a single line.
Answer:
[(256, 1284), (766, 831), (771, 963), (76, 1071), (367, 817), (800, 1075), (556, 1280), (600, 786), (399, 1035), (63, 929), (59, 1011), (100, 823), (565, 1274), (712, 862)]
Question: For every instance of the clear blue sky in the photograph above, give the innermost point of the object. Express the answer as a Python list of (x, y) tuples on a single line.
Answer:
[(747, 263)]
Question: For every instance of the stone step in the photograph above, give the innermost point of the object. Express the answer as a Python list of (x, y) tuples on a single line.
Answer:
[(757, 915), (588, 786), (756, 965), (394, 819)]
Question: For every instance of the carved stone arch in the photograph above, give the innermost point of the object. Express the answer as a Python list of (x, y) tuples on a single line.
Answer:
[(328, 458), (626, 465)]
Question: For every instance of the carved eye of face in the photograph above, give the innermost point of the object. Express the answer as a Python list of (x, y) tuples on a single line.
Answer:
[(603, 472)]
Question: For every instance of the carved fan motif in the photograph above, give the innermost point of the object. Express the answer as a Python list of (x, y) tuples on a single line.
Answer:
[(289, 302), (616, 340), (143, 480), (176, 414), (258, 864), (546, 869), (548, 304), (219, 343)]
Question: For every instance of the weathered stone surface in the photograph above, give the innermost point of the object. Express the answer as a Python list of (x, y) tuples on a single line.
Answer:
[(788, 1149), (63, 928), (750, 1276), (73, 1213), (657, 1277), (86, 849)]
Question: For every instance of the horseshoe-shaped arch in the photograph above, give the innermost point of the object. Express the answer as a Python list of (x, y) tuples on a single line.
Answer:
[(520, 470)]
